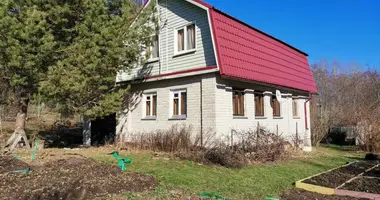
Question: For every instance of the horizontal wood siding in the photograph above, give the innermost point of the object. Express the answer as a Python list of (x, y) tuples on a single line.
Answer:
[(174, 14)]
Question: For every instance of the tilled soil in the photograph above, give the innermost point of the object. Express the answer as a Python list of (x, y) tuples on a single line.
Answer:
[(369, 185), (339, 176), (71, 179), (298, 194), (9, 163), (375, 172)]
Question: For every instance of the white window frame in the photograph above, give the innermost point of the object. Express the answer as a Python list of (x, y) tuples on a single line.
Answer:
[(172, 93), (150, 95), (143, 52), (184, 28), (297, 116)]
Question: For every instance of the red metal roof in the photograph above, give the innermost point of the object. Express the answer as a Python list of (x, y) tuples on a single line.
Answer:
[(247, 53)]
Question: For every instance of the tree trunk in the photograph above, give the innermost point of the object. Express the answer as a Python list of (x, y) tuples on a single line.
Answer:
[(21, 116)]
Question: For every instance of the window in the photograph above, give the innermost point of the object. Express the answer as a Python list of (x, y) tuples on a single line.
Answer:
[(238, 103), (259, 104), (152, 50), (276, 106), (150, 105), (295, 107), (179, 103), (186, 39)]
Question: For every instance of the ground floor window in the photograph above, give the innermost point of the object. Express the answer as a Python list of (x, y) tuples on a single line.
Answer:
[(259, 104), (150, 105), (179, 100), (295, 107), (238, 102), (276, 106)]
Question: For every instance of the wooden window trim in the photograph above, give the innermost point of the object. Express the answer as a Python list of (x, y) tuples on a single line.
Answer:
[(238, 103), (276, 106), (259, 104)]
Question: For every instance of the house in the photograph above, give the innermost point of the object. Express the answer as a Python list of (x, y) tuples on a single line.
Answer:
[(212, 71)]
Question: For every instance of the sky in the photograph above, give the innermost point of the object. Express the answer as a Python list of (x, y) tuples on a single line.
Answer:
[(346, 31)]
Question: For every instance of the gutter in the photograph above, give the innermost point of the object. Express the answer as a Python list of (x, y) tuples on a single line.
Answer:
[(306, 124)]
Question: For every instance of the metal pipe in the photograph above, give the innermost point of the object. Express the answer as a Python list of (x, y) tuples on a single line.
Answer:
[(306, 124)]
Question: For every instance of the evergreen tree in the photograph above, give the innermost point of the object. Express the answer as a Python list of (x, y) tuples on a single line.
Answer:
[(69, 51)]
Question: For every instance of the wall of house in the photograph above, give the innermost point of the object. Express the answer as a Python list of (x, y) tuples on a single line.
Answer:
[(210, 96), (202, 87), (172, 15), (286, 125)]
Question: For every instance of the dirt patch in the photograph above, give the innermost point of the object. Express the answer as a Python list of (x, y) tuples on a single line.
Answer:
[(73, 178), (373, 172), (339, 176), (298, 194), (370, 185), (10, 163)]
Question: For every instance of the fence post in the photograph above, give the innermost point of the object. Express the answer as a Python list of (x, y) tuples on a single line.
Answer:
[(232, 137), (277, 130), (297, 135), (257, 134)]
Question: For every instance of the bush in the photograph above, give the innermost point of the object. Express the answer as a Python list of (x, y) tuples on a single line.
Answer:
[(249, 146)]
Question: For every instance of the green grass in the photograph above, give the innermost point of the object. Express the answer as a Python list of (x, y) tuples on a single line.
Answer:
[(254, 182)]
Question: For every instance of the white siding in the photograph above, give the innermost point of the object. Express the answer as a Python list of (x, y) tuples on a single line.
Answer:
[(286, 124), (174, 14), (131, 120)]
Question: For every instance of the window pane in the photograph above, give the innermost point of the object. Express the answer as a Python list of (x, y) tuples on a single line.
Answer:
[(181, 40), (276, 107), (154, 105), (235, 103), (238, 103), (175, 106), (295, 108), (147, 108), (183, 103), (191, 37), (155, 47), (259, 105)]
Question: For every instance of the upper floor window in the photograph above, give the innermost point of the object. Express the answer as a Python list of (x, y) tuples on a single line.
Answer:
[(238, 103), (259, 104), (150, 105), (185, 39), (276, 106), (151, 50), (295, 108), (179, 101)]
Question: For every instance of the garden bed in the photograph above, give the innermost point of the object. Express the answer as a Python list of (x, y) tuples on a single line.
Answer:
[(364, 184), (72, 178), (359, 180), (337, 177)]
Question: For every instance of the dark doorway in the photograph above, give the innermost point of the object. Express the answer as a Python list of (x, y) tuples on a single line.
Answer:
[(103, 130)]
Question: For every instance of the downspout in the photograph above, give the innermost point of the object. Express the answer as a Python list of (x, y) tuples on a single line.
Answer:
[(306, 124), (201, 105)]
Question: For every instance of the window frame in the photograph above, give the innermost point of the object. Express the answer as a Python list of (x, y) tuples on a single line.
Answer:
[(261, 94), (184, 28), (180, 115), (295, 101), (273, 99), (152, 105), (240, 100), (145, 48)]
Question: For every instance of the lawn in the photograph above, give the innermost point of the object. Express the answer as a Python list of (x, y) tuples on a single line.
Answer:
[(254, 182)]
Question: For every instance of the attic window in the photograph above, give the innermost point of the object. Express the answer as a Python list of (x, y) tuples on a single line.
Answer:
[(185, 39)]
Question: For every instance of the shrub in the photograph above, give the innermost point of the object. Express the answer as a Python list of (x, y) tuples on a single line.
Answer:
[(249, 146)]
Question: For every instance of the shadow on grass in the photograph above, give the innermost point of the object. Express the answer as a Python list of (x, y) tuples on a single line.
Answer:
[(341, 147)]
